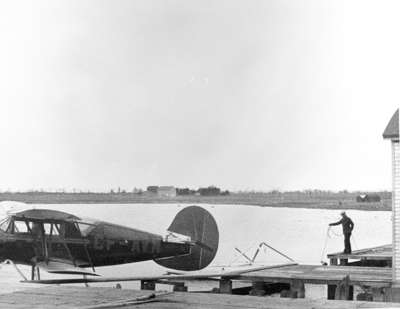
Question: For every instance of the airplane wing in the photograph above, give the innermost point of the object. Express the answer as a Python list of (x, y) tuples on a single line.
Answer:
[(198, 275)]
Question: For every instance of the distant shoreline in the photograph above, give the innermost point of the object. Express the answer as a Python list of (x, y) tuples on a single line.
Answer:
[(290, 199)]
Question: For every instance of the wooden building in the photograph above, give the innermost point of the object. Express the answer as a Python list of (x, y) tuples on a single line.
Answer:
[(368, 198), (166, 191), (392, 132)]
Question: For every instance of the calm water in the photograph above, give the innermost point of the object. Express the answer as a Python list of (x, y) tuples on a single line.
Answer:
[(299, 233)]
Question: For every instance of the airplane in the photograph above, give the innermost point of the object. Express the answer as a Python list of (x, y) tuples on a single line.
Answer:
[(62, 243)]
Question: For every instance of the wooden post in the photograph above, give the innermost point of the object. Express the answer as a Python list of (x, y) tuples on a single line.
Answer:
[(33, 272), (391, 294), (331, 291), (344, 291), (297, 286), (180, 287), (332, 287), (225, 286), (148, 285), (378, 294), (258, 288)]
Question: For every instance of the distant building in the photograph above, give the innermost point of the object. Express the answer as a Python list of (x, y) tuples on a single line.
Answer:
[(152, 189), (210, 191), (166, 191), (185, 191), (368, 198), (137, 191), (226, 192)]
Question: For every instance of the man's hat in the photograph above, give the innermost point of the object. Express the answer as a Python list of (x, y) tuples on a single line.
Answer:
[(343, 213)]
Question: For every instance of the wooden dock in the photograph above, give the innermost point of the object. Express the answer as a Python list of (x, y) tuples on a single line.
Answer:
[(317, 274), (376, 256), (96, 298), (287, 280)]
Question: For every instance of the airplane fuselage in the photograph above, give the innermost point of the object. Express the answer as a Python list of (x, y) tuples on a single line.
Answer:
[(27, 240), (61, 242)]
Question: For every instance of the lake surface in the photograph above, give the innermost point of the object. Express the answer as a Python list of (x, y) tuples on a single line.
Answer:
[(299, 233)]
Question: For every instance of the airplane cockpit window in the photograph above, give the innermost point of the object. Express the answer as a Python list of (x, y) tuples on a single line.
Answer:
[(85, 228), (4, 224), (69, 230), (47, 228), (51, 229), (55, 230), (20, 227)]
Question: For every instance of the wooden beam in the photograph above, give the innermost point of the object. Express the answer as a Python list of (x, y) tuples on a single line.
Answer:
[(180, 288), (225, 286), (344, 291), (343, 262), (331, 291), (297, 286)]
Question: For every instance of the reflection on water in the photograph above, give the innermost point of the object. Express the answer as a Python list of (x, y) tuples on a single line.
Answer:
[(299, 233)]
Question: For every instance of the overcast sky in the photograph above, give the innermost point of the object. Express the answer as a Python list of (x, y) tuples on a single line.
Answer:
[(241, 94)]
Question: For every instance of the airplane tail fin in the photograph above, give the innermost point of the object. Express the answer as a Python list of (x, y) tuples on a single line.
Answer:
[(198, 224)]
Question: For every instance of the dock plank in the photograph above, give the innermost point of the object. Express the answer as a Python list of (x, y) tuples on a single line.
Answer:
[(66, 297), (375, 253), (81, 297), (317, 274), (219, 301)]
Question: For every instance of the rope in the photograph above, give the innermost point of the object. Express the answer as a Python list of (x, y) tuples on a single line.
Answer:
[(332, 232), (129, 302), (329, 234), (326, 243)]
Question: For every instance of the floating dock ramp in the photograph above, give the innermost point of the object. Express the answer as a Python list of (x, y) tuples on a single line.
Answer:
[(376, 256), (315, 274)]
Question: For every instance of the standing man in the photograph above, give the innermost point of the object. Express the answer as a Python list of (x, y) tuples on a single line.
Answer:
[(347, 225)]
